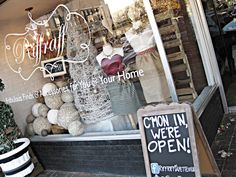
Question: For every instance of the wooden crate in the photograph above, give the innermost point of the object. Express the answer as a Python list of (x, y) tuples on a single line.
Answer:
[(179, 65)]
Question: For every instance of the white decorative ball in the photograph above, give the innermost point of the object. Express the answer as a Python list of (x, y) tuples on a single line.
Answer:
[(66, 105), (41, 124), (52, 116), (54, 101), (76, 128), (67, 97), (35, 109), (43, 110), (47, 88), (67, 114)]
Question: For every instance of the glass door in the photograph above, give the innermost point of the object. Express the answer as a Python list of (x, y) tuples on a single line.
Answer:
[(221, 19)]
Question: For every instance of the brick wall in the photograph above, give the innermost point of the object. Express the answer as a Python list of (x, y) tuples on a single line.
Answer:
[(191, 48), (116, 157)]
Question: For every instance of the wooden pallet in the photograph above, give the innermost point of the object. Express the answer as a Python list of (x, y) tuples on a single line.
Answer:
[(177, 58)]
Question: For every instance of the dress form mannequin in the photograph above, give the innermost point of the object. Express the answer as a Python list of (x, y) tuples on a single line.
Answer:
[(108, 52), (91, 99), (141, 38), (123, 95)]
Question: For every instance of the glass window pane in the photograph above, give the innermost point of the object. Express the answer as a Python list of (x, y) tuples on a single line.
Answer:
[(220, 17), (174, 21), (97, 65)]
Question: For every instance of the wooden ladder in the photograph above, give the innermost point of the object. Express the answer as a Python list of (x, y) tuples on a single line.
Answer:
[(176, 55)]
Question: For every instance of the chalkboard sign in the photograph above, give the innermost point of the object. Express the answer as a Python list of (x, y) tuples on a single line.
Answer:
[(54, 67), (168, 141)]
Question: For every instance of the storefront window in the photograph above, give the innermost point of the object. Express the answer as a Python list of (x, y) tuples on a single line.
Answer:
[(91, 69)]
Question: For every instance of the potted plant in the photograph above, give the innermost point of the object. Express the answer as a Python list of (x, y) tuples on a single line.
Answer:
[(14, 156)]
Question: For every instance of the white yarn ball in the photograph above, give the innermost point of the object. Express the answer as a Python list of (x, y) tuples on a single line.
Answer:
[(67, 114), (76, 128), (67, 97), (47, 88), (52, 116), (41, 124), (54, 101), (35, 109), (70, 105), (43, 110)]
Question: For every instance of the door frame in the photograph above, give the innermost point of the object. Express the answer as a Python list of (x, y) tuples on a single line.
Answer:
[(207, 50)]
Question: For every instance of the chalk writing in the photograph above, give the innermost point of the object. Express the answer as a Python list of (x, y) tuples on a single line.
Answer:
[(165, 135)]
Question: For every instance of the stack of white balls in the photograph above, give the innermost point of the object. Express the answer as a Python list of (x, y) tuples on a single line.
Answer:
[(57, 110)]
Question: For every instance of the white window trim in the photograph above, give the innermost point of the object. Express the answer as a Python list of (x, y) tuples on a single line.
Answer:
[(206, 49), (232, 109), (203, 99), (95, 136), (161, 50)]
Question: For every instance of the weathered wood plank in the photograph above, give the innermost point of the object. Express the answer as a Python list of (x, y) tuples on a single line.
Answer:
[(168, 29), (173, 43), (163, 16), (179, 68), (184, 91), (176, 56)]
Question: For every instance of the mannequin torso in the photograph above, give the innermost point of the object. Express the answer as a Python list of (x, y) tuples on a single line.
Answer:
[(141, 41), (111, 59), (108, 52)]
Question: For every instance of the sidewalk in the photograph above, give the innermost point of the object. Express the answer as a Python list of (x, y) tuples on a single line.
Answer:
[(52, 173), (71, 174), (224, 146)]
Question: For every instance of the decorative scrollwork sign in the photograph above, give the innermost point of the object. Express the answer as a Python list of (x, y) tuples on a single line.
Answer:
[(27, 48)]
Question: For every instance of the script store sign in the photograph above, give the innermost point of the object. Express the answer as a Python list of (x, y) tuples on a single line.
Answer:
[(29, 47)]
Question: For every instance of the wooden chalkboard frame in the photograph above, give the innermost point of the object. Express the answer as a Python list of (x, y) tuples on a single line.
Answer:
[(53, 61), (208, 165), (168, 109)]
